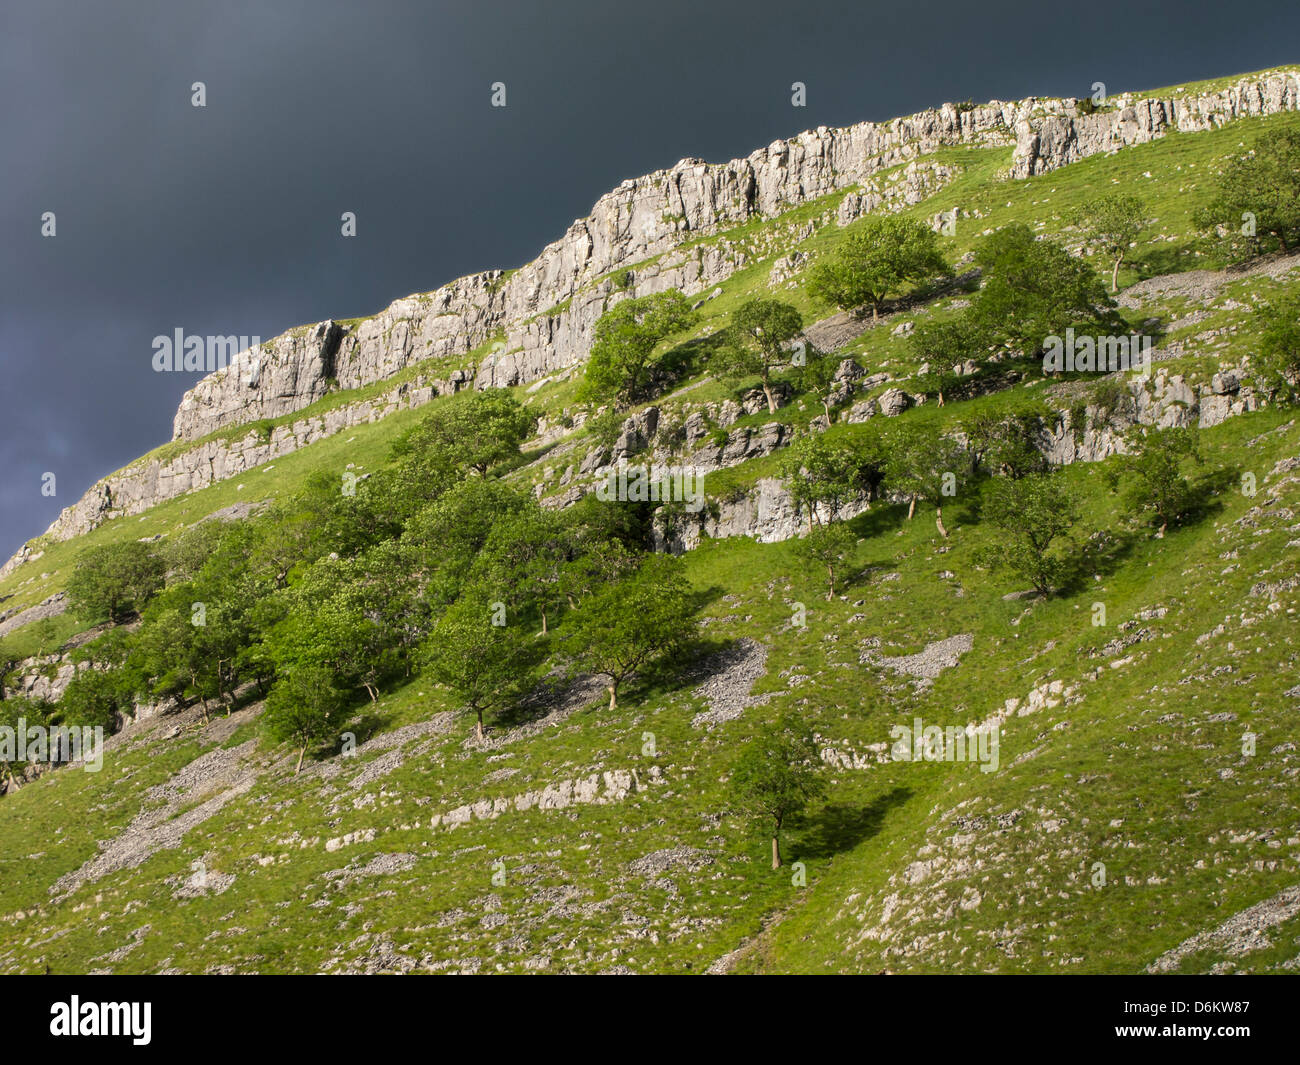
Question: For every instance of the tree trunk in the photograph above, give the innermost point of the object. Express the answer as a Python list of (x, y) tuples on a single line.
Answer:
[(374, 695), (830, 574), (941, 397), (1114, 275), (875, 312), (302, 753), (771, 403), (613, 695), (911, 508), (543, 621), (938, 521), (776, 853), (478, 728)]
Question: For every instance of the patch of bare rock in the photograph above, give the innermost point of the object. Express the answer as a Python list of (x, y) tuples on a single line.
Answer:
[(733, 673), (927, 664), (1240, 934), (222, 774)]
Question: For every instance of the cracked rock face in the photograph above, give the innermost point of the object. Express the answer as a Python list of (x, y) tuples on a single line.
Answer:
[(1061, 136), (272, 379), (545, 312), (643, 218)]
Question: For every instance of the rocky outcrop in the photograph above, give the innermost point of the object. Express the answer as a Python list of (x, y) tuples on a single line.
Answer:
[(44, 678), (50, 607), (599, 788), (767, 512), (150, 481), (1164, 402), (1056, 132), (544, 312), (275, 378), (516, 327)]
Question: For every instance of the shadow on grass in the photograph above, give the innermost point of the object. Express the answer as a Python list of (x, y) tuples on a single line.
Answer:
[(1165, 259), (1101, 555), (702, 658), (365, 726), (839, 827)]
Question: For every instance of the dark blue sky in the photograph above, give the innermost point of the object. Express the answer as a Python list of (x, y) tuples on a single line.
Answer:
[(226, 219)]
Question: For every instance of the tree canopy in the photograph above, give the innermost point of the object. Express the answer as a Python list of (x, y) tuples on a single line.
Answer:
[(881, 255), (1257, 196), (624, 341), (756, 343)]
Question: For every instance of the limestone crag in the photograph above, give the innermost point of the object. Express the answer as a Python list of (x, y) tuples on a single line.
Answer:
[(148, 482), (544, 311), (275, 378), (538, 320), (768, 514), (1058, 133)]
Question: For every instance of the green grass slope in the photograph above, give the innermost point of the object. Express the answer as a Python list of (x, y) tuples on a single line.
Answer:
[(1147, 781)]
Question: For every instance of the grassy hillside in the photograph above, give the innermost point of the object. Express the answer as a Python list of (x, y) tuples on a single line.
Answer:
[(911, 866), (1147, 776)]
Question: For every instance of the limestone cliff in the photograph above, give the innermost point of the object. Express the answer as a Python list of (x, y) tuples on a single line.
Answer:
[(540, 317)]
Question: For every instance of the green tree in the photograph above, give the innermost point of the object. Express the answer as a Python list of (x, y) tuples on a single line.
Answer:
[(1033, 289), (777, 776), (446, 536), (944, 344), (524, 560), (16, 712), (94, 698), (486, 666), (624, 340), (922, 465), (935, 381), (881, 254), (816, 375), (625, 628), (332, 621), (1277, 366), (187, 552), (9, 659), (1258, 195), (304, 708), (174, 653), (756, 343), (1034, 511), (826, 546), (1154, 469), (393, 598), (1111, 224), (600, 564), (476, 432), (1004, 442), (821, 476), (47, 638), (114, 581)]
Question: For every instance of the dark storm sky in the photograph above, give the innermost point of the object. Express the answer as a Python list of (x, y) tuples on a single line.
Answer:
[(226, 219)]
